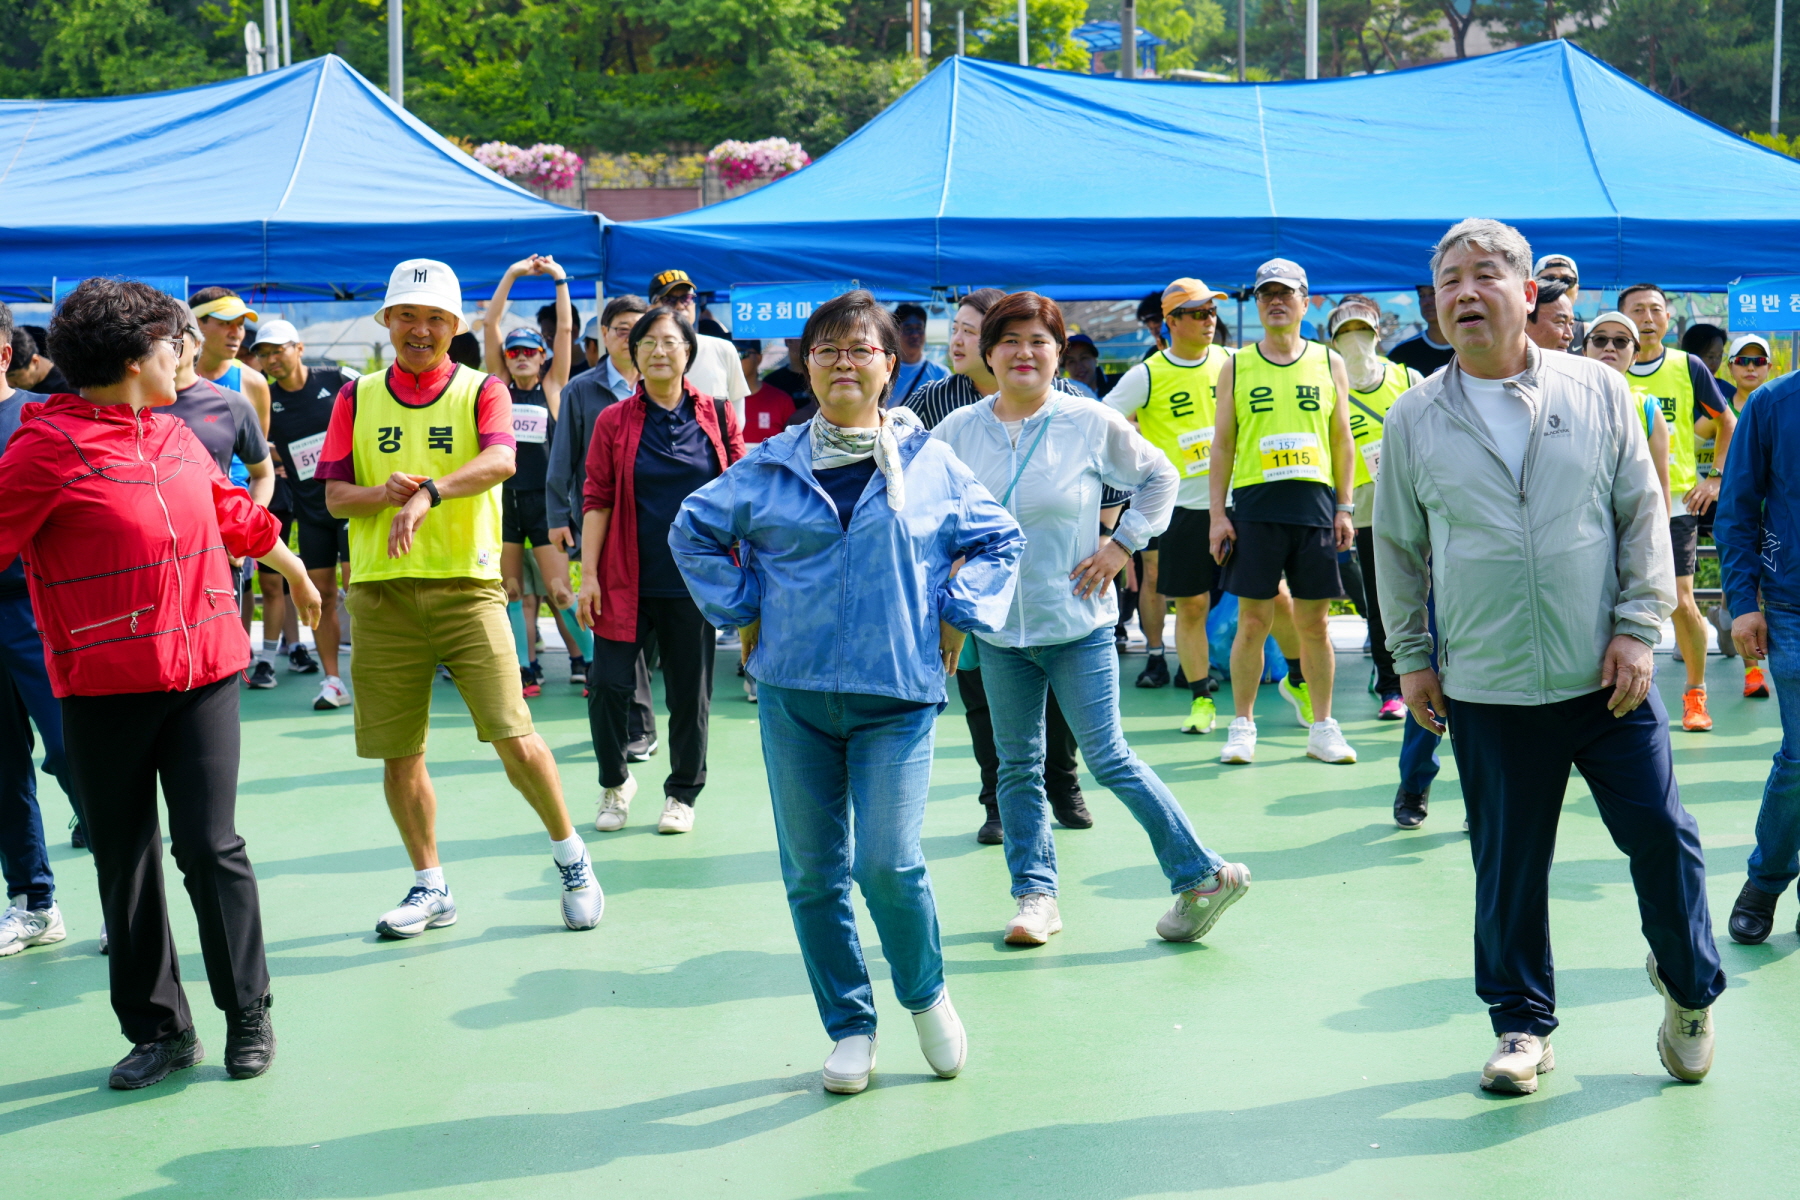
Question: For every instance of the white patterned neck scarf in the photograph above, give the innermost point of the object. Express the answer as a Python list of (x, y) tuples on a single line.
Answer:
[(834, 446)]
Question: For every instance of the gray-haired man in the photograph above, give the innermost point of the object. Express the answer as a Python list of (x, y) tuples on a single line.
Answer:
[(1517, 486)]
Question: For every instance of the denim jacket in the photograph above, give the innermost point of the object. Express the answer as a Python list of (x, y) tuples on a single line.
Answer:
[(848, 610)]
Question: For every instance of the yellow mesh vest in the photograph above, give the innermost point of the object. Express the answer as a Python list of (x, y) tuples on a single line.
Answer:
[(460, 539), (1283, 417), (1672, 388), (1178, 417), (1368, 412)]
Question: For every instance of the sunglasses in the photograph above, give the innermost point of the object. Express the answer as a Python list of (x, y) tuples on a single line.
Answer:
[(1750, 360), (1204, 314), (1610, 343), (522, 351)]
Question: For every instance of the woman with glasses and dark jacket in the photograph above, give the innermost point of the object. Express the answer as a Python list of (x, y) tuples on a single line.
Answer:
[(835, 548), (129, 528)]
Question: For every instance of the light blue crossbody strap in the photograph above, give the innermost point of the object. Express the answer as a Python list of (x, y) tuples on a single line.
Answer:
[(1056, 403)]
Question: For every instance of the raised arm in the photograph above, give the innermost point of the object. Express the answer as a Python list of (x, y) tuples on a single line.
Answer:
[(491, 334), (562, 349)]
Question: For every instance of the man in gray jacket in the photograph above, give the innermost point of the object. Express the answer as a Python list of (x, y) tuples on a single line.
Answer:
[(1517, 487)]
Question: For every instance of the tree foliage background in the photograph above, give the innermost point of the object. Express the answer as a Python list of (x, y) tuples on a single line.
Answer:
[(660, 75)]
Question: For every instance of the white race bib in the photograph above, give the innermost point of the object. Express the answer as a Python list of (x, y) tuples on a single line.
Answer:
[(1371, 452), (304, 454), (1196, 451), (1292, 456), (531, 423)]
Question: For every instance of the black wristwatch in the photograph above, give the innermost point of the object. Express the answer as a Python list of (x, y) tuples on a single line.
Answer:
[(430, 486), (1106, 531)]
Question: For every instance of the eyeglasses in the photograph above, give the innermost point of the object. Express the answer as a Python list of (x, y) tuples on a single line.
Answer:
[(1750, 360), (179, 342), (1610, 343), (1204, 314), (522, 351), (667, 345), (829, 356)]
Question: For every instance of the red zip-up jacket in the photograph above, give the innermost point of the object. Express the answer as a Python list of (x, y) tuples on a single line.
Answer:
[(612, 483), (128, 528)]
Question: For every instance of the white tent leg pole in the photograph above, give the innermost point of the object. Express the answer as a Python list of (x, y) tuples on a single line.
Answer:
[(271, 31), (396, 40), (1775, 86), (1024, 39), (1312, 39)]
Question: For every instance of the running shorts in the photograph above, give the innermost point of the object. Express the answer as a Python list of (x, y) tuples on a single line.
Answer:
[(1684, 539), (323, 547), (1307, 554), (1184, 561), (524, 517)]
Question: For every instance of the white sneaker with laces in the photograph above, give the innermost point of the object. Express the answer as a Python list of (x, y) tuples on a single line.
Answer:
[(1197, 911), (1325, 742), (676, 817), (615, 806), (332, 694), (1518, 1059), (582, 900), (851, 1063), (1685, 1040), (424, 908), (1036, 920), (1240, 741), (105, 942), (21, 927), (941, 1037)]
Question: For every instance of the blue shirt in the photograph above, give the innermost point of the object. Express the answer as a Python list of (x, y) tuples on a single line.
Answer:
[(12, 580), (674, 458), (1757, 525)]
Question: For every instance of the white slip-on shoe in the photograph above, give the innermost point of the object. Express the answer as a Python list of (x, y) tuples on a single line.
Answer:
[(1518, 1059), (1684, 1042), (1036, 920), (615, 806), (677, 817), (1197, 911), (1325, 742), (850, 1064), (424, 908), (582, 900), (1240, 741), (941, 1037), (21, 927)]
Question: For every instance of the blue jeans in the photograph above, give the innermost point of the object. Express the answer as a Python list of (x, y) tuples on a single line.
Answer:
[(1418, 745), (834, 758), (1085, 674), (1776, 860), (25, 697)]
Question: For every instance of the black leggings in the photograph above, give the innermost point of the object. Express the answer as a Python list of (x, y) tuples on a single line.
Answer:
[(119, 747), (1062, 780)]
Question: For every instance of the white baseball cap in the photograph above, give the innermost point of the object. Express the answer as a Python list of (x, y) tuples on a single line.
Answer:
[(1744, 340), (276, 332), (428, 283), (1615, 317), (1556, 260)]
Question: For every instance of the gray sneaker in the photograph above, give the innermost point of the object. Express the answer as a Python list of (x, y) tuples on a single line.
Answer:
[(1197, 911), (1518, 1059), (21, 927), (1684, 1041), (1037, 919)]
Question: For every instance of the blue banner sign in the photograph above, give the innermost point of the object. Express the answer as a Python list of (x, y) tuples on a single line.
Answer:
[(1767, 305), (778, 310)]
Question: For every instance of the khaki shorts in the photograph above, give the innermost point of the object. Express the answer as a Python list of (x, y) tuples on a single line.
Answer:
[(401, 629)]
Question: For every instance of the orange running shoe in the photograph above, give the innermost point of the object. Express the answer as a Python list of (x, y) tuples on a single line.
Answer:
[(1755, 686), (1694, 717)]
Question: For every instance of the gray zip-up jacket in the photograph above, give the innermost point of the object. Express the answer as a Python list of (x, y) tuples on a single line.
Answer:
[(1532, 577)]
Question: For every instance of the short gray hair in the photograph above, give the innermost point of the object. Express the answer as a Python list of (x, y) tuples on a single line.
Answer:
[(1496, 237)]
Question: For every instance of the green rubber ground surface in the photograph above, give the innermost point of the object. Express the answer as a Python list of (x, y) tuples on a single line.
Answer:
[(1325, 1042)]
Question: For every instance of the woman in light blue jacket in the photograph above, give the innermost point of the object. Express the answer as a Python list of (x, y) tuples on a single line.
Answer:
[(833, 548), (1047, 456)]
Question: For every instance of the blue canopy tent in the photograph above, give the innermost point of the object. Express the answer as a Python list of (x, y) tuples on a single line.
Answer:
[(302, 183), (1087, 187)]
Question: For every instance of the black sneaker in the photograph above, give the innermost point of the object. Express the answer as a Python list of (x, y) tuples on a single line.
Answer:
[(78, 838), (302, 662), (1409, 808), (249, 1040), (1073, 812), (577, 669), (151, 1062), (1753, 916), (1181, 679), (1121, 639), (262, 675), (640, 749), (990, 833), (1155, 673)]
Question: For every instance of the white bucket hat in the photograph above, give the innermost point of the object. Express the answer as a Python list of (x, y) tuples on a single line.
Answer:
[(428, 283)]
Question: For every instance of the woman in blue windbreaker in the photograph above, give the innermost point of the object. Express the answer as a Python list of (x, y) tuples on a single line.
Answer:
[(834, 547)]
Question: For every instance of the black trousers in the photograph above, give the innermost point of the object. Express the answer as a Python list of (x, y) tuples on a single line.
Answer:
[(119, 748), (1062, 783), (686, 643), (641, 723), (1387, 683)]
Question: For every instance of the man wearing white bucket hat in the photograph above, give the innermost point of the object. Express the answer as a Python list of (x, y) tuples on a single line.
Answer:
[(414, 457)]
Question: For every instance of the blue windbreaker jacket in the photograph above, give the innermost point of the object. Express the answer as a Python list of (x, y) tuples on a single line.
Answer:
[(1757, 525), (853, 610)]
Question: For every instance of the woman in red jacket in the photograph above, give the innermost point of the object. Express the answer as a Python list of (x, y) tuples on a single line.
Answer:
[(128, 527), (647, 454)]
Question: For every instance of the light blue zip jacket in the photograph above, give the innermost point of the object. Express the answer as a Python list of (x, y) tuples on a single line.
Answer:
[(853, 610)]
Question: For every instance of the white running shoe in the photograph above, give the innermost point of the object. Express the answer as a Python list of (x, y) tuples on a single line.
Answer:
[(1516, 1062), (1196, 912), (105, 942), (1325, 742), (582, 900), (1685, 1040), (21, 927), (424, 908), (1037, 919), (615, 806), (332, 694), (851, 1063), (941, 1037), (677, 817), (1240, 741)]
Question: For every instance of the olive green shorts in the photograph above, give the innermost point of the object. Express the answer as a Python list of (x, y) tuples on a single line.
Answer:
[(400, 630)]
